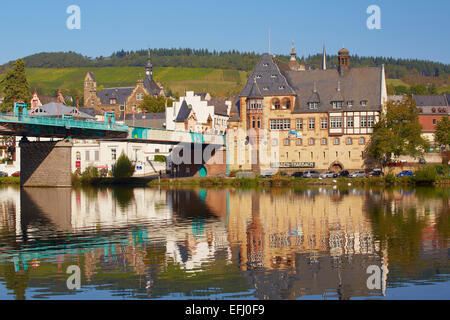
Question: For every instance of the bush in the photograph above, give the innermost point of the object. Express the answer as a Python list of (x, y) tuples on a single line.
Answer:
[(425, 175), (159, 158), (123, 168), (390, 178), (89, 175)]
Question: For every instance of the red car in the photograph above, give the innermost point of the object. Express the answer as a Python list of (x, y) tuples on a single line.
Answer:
[(16, 174)]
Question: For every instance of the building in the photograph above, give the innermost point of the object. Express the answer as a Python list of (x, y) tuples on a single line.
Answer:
[(121, 100), (194, 113), (431, 110), (322, 119), (54, 109), (37, 101)]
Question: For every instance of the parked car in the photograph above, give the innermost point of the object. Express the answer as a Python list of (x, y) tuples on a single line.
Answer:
[(405, 173), (3, 174), (311, 174), (329, 174), (357, 174), (344, 173), (376, 173), (297, 174), (16, 174)]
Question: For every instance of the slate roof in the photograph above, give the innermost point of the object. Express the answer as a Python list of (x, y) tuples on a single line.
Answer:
[(120, 94), (51, 110), (220, 107), (91, 74), (235, 111), (152, 120), (184, 112), (269, 79), (426, 103), (357, 84), (89, 111), (151, 86)]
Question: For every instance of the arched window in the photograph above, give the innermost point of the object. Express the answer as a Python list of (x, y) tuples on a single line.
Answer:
[(286, 103), (276, 104)]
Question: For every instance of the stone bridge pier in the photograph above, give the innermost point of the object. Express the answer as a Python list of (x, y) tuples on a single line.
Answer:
[(45, 164)]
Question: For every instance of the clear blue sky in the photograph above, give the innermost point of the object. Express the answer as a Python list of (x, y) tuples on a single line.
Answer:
[(410, 28)]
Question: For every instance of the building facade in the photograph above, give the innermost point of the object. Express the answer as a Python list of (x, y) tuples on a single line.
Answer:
[(319, 119), (121, 100)]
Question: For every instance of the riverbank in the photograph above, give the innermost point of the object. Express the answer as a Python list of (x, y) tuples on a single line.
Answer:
[(9, 180)]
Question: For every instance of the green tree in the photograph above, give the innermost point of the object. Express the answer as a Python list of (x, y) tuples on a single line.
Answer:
[(442, 133), (123, 168), (153, 104), (397, 133), (15, 86)]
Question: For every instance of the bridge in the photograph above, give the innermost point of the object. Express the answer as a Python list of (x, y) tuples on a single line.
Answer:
[(43, 160)]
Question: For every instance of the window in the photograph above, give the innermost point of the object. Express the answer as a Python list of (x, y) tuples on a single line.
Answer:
[(253, 122), (364, 103), (273, 76), (280, 124), (370, 121), (336, 122), (337, 104), (113, 154), (92, 102), (311, 141), (122, 108), (87, 154), (323, 141), (78, 155), (313, 105), (299, 124), (274, 142), (112, 101), (336, 141), (286, 103), (363, 122), (350, 122), (324, 123), (362, 141), (350, 103), (312, 124), (349, 141), (97, 155), (259, 123), (299, 142), (276, 104), (265, 64), (287, 142), (434, 121)]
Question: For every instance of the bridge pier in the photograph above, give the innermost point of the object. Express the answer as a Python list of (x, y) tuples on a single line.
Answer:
[(45, 164)]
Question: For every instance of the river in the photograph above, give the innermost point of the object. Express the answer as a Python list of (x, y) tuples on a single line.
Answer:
[(302, 243)]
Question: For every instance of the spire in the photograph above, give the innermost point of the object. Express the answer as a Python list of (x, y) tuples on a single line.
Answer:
[(324, 62), (293, 53), (149, 66), (269, 40)]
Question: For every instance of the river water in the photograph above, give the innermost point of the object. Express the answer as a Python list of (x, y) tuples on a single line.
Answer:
[(306, 243)]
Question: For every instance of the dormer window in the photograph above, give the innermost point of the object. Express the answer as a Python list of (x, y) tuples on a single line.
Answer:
[(112, 101), (265, 64), (337, 104), (281, 87), (273, 76), (313, 105), (350, 103), (364, 103), (258, 76), (265, 88)]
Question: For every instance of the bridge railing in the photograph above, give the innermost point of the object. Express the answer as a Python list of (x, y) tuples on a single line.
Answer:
[(68, 123)]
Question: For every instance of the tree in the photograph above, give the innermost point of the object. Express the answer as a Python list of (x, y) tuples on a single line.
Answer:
[(397, 133), (15, 86), (123, 168), (442, 133), (155, 104)]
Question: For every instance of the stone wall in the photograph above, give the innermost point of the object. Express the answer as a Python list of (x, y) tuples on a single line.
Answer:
[(45, 164)]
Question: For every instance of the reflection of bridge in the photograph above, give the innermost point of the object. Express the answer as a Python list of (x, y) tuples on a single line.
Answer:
[(49, 163)]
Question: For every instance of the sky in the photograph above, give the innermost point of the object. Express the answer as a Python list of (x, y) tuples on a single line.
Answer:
[(409, 28)]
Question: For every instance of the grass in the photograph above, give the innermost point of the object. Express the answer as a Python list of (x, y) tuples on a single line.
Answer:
[(9, 180), (216, 81)]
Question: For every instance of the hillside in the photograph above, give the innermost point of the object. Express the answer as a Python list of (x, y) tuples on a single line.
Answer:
[(70, 80)]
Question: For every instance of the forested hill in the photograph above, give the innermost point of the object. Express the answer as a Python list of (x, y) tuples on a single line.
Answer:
[(203, 58)]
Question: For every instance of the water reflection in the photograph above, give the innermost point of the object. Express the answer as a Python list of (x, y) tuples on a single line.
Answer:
[(265, 244)]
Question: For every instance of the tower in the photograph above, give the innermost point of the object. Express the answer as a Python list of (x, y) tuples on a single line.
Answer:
[(90, 87), (149, 66), (344, 59), (293, 53)]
